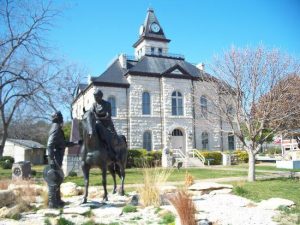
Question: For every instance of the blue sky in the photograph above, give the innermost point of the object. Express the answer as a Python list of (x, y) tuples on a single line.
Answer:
[(91, 33)]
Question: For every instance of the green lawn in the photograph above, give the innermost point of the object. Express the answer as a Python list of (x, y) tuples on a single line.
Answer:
[(135, 176), (265, 166), (265, 189)]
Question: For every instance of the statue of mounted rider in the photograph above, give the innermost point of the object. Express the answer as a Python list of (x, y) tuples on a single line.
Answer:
[(101, 147)]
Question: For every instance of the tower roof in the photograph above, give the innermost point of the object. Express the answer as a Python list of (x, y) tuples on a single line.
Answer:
[(151, 29)]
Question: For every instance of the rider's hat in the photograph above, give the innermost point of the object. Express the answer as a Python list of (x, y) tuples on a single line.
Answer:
[(98, 92), (57, 117)]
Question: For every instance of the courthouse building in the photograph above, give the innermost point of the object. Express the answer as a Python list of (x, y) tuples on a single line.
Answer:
[(158, 99)]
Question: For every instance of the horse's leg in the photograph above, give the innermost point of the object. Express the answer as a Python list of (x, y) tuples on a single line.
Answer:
[(104, 170), (86, 173), (112, 171), (122, 172)]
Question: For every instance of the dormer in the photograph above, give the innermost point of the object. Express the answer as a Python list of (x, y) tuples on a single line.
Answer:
[(152, 40)]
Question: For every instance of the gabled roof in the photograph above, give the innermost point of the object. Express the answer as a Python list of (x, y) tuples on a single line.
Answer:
[(113, 76), (29, 144), (147, 33), (160, 65)]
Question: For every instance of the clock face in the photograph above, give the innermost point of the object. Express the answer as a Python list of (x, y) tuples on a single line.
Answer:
[(155, 27)]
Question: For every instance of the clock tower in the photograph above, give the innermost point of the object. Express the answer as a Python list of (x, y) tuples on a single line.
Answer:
[(152, 40)]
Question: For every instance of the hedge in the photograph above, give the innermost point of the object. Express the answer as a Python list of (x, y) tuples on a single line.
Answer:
[(142, 157), (242, 156), (216, 156)]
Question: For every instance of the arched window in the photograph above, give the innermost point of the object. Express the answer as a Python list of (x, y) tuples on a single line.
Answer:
[(203, 104), (146, 103), (177, 132), (177, 103), (112, 101), (230, 141), (205, 141), (147, 141), (230, 110)]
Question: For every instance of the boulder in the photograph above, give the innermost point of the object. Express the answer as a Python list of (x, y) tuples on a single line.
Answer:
[(69, 189), (208, 186), (49, 212), (7, 197), (77, 210), (274, 203), (221, 191)]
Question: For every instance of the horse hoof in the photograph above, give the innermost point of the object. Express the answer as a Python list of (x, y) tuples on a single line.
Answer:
[(105, 199), (114, 192)]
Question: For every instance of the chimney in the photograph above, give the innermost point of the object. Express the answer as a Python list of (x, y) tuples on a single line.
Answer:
[(123, 61), (201, 67)]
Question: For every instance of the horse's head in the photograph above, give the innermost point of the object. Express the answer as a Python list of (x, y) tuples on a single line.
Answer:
[(89, 123)]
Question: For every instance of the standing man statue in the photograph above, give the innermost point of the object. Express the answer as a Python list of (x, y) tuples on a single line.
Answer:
[(104, 125), (56, 148)]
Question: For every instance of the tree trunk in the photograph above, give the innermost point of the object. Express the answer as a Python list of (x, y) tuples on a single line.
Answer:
[(2, 144), (251, 169)]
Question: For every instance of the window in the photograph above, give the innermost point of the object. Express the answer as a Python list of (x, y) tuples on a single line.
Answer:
[(159, 51), (147, 142), (205, 140), (177, 104), (112, 102), (177, 132), (230, 110), (203, 104), (230, 141), (146, 103), (152, 51)]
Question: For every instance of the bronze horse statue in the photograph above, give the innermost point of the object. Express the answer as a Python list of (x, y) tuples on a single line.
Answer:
[(94, 153)]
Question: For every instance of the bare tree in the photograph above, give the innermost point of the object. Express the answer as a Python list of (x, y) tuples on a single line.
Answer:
[(251, 93), (24, 61)]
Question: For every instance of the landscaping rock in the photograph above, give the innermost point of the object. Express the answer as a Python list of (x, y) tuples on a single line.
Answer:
[(49, 212), (75, 218), (77, 210), (275, 203), (221, 191), (134, 200), (69, 189), (208, 186), (107, 212), (7, 197)]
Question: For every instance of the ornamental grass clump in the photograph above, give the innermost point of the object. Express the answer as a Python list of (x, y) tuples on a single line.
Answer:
[(188, 179), (185, 207), (149, 191)]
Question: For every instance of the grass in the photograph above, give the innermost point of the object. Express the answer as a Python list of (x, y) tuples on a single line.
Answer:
[(135, 176), (275, 188), (129, 209), (263, 166)]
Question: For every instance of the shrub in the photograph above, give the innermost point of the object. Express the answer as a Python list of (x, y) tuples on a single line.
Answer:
[(129, 209), (7, 158), (169, 218), (273, 151), (5, 164), (72, 174), (33, 173), (242, 156), (149, 191), (63, 221), (142, 157), (216, 156)]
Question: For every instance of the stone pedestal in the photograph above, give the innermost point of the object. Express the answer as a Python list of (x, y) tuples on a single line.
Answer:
[(71, 160)]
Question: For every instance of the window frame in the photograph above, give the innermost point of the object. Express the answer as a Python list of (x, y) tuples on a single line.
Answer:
[(179, 100), (204, 106), (113, 106), (144, 103), (147, 142), (206, 144)]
